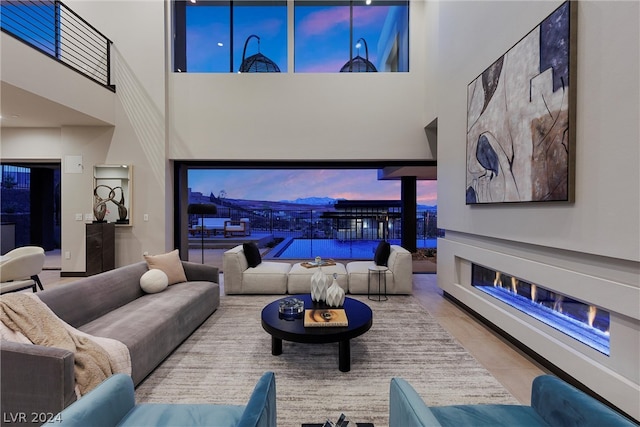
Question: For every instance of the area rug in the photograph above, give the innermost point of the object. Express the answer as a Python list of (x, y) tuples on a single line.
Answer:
[(221, 362)]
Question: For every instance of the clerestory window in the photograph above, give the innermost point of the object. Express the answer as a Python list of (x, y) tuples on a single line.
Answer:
[(329, 36), (217, 36), (351, 36)]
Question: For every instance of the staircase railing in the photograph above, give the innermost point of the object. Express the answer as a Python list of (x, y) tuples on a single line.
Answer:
[(60, 33)]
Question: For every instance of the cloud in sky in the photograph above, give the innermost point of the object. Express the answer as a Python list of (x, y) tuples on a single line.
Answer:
[(364, 17), (323, 20), (291, 184)]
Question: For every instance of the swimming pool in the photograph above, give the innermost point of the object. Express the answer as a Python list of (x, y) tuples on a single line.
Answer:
[(329, 248)]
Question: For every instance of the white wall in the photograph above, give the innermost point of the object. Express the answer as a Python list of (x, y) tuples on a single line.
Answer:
[(298, 117), (138, 137), (589, 249), (288, 116), (604, 218), (30, 144), (38, 73)]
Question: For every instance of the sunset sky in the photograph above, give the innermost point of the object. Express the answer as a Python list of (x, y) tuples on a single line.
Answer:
[(277, 185)]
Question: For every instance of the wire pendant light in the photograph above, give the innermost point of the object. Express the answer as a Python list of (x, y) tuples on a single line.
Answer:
[(257, 63), (359, 64)]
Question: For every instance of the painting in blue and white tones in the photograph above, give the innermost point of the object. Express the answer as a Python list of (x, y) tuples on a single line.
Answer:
[(518, 127)]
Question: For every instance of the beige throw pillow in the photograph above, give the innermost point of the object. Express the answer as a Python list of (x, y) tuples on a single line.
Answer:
[(169, 263)]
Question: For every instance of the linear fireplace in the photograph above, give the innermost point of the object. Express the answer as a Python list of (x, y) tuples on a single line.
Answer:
[(584, 322)]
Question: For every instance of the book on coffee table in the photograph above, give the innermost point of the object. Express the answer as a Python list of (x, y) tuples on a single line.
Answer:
[(323, 263), (323, 317)]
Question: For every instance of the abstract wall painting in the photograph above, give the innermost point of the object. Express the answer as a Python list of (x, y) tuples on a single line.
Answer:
[(521, 118)]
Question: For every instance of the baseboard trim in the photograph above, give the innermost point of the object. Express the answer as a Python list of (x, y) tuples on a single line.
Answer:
[(549, 366)]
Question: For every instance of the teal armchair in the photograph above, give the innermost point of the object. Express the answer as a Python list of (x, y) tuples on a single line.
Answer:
[(112, 403), (553, 403)]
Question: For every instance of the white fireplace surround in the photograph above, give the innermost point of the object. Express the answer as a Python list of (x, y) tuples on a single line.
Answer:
[(578, 276)]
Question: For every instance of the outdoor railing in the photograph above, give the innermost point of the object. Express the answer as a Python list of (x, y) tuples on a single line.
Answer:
[(311, 224), (58, 32)]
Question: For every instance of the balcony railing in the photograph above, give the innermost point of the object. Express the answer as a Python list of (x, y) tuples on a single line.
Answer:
[(313, 224), (60, 33)]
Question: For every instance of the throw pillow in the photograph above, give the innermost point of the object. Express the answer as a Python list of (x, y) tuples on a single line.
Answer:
[(154, 281), (382, 253), (169, 263), (252, 253)]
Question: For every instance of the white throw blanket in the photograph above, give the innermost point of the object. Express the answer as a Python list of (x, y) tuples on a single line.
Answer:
[(119, 359)]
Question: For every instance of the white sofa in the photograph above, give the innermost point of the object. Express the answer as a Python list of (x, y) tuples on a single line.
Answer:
[(267, 278), (272, 277), (399, 276)]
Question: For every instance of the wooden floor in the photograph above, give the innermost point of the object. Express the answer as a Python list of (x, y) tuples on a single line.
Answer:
[(513, 369)]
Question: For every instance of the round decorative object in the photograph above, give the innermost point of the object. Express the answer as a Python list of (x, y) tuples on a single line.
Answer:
[(154, 281), (291, 308), (335, 294), (318, 286)]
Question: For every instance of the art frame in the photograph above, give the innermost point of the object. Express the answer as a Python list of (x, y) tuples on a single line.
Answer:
[(520, 144)]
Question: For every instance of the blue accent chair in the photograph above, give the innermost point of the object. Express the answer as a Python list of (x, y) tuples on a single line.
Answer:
[(112, 403), (553, 403)]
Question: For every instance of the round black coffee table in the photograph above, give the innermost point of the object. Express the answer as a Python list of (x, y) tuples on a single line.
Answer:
[(359, 316)]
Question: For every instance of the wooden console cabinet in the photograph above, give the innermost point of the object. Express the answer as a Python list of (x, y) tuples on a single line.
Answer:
[(101, 248)]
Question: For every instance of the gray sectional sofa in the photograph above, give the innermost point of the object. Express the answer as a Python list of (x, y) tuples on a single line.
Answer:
[(40, 380)]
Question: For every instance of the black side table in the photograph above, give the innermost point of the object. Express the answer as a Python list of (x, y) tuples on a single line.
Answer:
[(381, 272)]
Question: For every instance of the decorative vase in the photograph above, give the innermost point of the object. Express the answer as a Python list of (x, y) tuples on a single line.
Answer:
[(318, 286), (335, 294)]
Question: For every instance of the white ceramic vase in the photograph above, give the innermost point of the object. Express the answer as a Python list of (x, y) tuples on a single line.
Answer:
[(335, 294), (318, 286)]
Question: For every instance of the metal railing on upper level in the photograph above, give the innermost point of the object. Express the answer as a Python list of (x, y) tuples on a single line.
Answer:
[(59, 32)]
